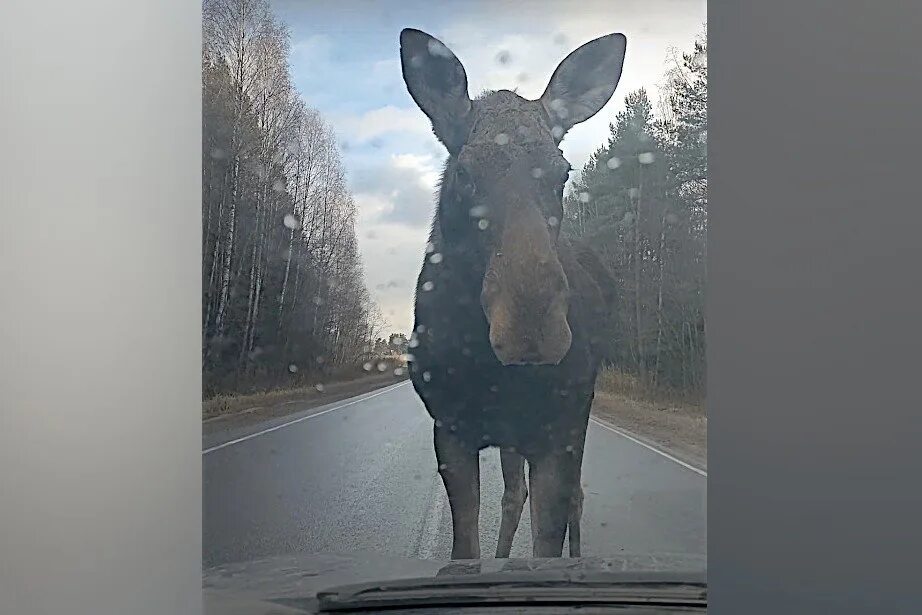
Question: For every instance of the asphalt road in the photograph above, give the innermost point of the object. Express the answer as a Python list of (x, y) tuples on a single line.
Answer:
[(360, 475)]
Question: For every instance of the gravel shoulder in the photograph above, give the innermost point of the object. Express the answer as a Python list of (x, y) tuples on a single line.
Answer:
[(239, 411), (679, 430)]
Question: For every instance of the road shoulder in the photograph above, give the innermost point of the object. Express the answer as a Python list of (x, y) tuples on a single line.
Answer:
[(679, 431), (291, 402)]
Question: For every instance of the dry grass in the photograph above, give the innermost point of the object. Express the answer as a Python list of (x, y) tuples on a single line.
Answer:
[(230, 403), (628, 386)]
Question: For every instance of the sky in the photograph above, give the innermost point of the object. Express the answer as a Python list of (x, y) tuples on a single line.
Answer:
[(345, 62)]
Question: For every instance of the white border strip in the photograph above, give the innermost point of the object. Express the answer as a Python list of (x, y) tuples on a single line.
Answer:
[(303, 418), (645, 445)]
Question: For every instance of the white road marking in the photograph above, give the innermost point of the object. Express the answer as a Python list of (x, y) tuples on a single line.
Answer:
[(645, 445), (303, 418)]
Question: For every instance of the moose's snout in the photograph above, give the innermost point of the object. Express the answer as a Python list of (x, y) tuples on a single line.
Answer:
[(528, 320)]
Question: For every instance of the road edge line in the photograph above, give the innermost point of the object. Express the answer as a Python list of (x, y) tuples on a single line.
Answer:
[(303, 418), (635, 440)]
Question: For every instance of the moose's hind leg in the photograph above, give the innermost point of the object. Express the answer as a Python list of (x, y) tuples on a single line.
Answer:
[(514, 495), (460, 471)]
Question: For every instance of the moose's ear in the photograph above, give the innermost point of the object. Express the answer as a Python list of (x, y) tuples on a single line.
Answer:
[(437, 82), (584, 82)]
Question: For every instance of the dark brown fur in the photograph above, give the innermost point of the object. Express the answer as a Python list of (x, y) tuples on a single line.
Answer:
[(504, 352)]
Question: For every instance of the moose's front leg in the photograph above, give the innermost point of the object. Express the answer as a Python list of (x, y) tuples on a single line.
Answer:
[(460, 470), (514, 495), (551, 478)]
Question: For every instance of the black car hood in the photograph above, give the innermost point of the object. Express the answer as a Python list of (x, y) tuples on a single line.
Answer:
[(288, 585)]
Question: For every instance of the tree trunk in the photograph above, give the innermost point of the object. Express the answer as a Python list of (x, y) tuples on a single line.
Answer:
[(638, 257)]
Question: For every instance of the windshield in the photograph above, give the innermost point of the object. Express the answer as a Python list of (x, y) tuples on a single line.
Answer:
[(453, 276)]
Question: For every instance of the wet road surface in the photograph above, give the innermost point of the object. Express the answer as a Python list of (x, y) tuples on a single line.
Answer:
[(360, 475)]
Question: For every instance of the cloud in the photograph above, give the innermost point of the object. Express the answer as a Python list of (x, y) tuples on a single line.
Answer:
[(364, 127), (392, 255), (313, 51), (401, 191)]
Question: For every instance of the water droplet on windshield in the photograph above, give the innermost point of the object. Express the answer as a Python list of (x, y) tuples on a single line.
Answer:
[(613, 163), (430, 248), (559, 107), (503, 57), (367, 367), (398, 371), (633, 192), (217, 153), (438, 49), (537, 172), (421, 329), (291, 221), (569, 448), (583, 197), (436, 258), (414, 342), (557, 132), (278, 186), (560, 38), (319, 387), (292, 368), (501, 139), (427, 286), (442, 466), (426, 378), (483, 224), (382, 366), (478, 211), (645, 158), (552, 221)]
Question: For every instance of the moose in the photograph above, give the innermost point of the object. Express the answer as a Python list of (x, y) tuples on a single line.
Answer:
[(508, 313)]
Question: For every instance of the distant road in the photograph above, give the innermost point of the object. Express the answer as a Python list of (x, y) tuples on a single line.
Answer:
[(360, 474)]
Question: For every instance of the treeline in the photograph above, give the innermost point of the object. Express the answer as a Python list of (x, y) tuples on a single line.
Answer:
[(641, 201), (283, 289)]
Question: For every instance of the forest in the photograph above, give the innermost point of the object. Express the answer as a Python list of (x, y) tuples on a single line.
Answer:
[(641, 202), (283, 293)]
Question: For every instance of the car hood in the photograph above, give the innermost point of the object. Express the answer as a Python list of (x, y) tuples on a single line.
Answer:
[(288, 585)]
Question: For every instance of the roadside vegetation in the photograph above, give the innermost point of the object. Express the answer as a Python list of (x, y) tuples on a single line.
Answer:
[(641, 202)]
